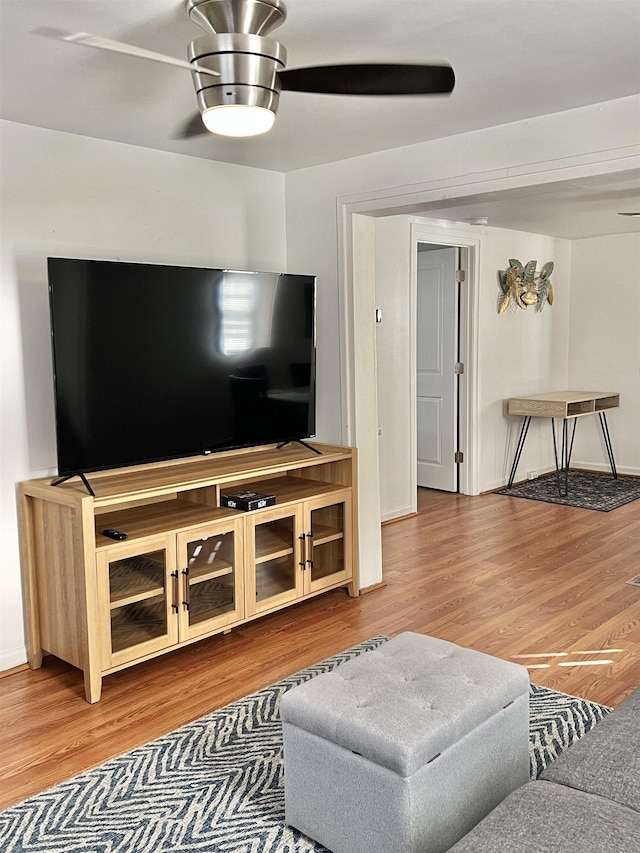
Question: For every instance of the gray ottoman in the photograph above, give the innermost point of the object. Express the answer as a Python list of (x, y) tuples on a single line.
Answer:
[(404, 748)]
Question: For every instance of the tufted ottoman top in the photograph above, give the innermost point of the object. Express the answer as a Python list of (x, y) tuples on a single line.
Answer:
[(405, 702)]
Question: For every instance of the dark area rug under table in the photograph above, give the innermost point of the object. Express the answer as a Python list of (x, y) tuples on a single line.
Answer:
[(217, 784), (587, 490)]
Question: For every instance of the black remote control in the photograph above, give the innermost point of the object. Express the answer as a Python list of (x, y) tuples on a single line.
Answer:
[(114, 534)]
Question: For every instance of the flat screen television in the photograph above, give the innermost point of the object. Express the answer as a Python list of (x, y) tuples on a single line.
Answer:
[(155, 362)]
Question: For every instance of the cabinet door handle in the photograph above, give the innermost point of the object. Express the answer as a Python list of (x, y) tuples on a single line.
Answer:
[(310, 557), (187, 591), (303, 562), (176, 592)]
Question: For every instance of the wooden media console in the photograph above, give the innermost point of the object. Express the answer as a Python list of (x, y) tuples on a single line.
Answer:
[(188, 567)]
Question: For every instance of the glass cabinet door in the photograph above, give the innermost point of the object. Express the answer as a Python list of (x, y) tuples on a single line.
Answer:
[(211, 592), (327, 542), (275, 551), (135, 584)]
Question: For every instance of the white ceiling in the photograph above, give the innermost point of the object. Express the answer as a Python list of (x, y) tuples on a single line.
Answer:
[(574, 209), (514, 59)]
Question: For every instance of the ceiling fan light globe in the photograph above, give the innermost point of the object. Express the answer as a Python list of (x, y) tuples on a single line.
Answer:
[(238, 120)]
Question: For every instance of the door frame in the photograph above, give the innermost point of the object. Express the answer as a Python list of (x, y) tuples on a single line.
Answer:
[(355, 212), (425, 231), (357, 333)]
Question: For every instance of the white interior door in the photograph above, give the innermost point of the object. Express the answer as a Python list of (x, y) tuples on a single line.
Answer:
[(436, 346)]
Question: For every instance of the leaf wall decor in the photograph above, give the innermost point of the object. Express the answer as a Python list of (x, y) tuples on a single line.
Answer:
[(521, 286)]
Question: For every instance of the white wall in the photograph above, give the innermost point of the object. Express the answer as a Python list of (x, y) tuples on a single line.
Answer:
[(520, 352), (79, 197), (588, 340), (593, 139), (394, 343), (604, 345)]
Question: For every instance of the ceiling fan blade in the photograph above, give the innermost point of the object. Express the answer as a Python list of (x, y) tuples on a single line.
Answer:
[(371, 79), (193, 126), (120, 47)]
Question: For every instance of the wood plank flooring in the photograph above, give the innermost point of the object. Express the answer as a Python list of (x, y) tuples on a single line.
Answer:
[(540, 584)]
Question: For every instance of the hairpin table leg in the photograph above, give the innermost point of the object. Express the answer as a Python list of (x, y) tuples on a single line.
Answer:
[(565, 461), (521, 439), (607, 442)]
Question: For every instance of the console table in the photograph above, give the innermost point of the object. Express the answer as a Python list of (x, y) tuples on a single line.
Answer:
[(566, 406)]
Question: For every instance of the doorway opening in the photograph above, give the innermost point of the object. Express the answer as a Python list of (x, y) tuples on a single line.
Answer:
[(425, 366)]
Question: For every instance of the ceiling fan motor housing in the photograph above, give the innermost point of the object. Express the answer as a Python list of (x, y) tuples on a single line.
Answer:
[(248, 66), (235, 47), (252, 17)]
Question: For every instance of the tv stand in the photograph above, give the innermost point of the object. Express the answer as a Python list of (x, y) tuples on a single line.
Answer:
[(189, 567), (87, 484), (302, 442)]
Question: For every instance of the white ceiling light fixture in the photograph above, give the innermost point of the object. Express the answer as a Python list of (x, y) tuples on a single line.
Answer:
[(478, 220), (238, 120)]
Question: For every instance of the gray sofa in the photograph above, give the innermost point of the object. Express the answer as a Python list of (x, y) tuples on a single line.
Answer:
[(586, 801)]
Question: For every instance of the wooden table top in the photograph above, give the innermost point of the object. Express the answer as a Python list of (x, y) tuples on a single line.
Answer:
[(563, 404)]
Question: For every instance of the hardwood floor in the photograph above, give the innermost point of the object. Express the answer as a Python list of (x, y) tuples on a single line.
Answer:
[(540, 584)]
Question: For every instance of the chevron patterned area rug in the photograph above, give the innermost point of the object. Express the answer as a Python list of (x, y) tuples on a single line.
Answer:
[(217, 784)]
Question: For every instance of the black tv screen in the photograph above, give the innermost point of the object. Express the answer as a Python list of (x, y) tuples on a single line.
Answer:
[(157, 362)]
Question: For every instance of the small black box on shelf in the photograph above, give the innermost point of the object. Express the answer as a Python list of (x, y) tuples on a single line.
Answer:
[(247, 500)]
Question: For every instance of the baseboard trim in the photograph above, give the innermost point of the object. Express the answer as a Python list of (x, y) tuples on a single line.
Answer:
[(11, 659), (386, 521), (373, 588), (5, 673), (623, 471)]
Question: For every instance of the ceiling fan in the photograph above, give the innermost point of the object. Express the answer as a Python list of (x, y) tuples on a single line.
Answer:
[(238, 74)]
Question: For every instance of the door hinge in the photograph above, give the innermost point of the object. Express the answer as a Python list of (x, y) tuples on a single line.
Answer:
[(458, 368), (458, 456), (460, 276)]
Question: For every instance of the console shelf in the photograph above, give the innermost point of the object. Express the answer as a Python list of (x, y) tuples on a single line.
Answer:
[(130, 581), (189, 567), (270, 546)]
